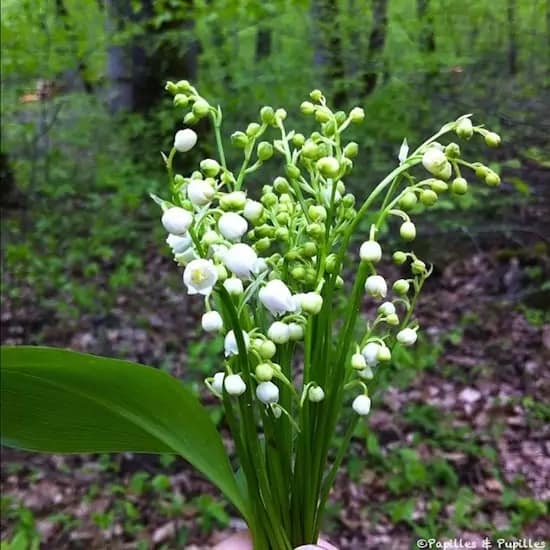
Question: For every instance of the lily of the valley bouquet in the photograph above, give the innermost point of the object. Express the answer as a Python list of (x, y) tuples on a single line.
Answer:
[(270, 264)]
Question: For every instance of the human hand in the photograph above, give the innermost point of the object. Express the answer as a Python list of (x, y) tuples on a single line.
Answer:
[(241, 541)]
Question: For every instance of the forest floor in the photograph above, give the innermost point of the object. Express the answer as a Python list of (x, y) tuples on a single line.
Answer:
[(457, 445)]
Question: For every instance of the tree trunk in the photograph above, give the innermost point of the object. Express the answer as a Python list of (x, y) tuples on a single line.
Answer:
[(377, 40), (327, 55)]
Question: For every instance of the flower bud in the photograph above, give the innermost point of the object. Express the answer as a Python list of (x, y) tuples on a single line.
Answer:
[(492, 139), (317, 213), (387, 308), (376, 286), (311, 302), (267, 350), (428, 197), (264, 372), (239, 139), (278, 332), (434, 160), (316, 95), (407, 336), (185, 140), (212, 321), (176, 220), (366, 373), (190, 119), (295, 331), (234, 286), (253, 129), (492, 179), (267, 114), (210, 167), (232, 226), (293, 171), (322, 114), (253, 211), (217, 382), (399, 257), (392, 319), (351, 150), (464, 128), (407, 231), (171, 87), (200, 108), (315, 394), (280, 185), (310, 150), (230, 343), (280, 114), (438, 186), (358, 362), (357, 115), (401, 286), (234, 385), (370, 251), (370, 353), (181, 100), (265, 150), (233, 201), (418, 267), (307, 108), (315, 230), (240, 259), (267, 392), (179, 244), (200, 192), (384, 354), (328, 166), (276, 297), (408, 200), (331, 262), (361, 405), (459, 186), (480, 170), (298, 140), (452, 151)]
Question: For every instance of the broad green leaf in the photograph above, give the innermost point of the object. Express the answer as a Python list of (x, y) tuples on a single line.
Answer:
[(60, 401)]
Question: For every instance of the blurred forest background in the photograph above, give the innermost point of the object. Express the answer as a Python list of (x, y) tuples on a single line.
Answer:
[(458, 443)]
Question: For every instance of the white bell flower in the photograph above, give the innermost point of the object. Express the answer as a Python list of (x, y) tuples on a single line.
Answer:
[(361, 405), (267, 392), (435, 161), (177, 220), (212, 321), (232, 226), (217, 382), (376, 286), (186, 257), (370, 353), (260, 265), (276, 297), (358, 361), (316, 394), (240, 259), (278, 332), (253, 210), (185, 140), (218, 252), (311, 302), (295, 331), (200, 192), (200, 276), (234, 286), (366, 373), (234, 384), (403, 152), (179, 243), (387, 308), (370, 251), (230, 343), (407, 336)]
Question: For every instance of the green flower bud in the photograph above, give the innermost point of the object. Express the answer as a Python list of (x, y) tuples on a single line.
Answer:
[(265, 150), (357, 115), (340, 117), (347, 165), (200, 108), (308, 250), (210, 167), (317, 213), (298, 273), (407, 231), (418, 267), (348, 201), (262, 244), (316, 95), (492, 139), (252, 129), (351, 150), (392, 319), (190, 119), (286, 200), (282, 234), (298, 140), (280, 185), (480, 170), (171, 87), (222, 273), (280, 114), (283, 218), (315, 230), (227, 178), (339, 282), (267, 350), (181, 100), (264, 372), (292, 171), (267, 114), (187, 205), (328, 166), (452, 151), (269, 199), (384, 354), (183, 86), (233, 201), (428, 197), (210, 237), (464, 128), (265, 231), (459, 186), (179, 179), (330, 265), (309, 150), (399, 257), (322, 114), (239, 139), (438, 185), (492, 179), (307, 108), (401, 286), (408, 200), (329, 128)]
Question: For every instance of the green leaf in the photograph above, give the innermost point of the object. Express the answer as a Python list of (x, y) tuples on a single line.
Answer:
[(60, 401)]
